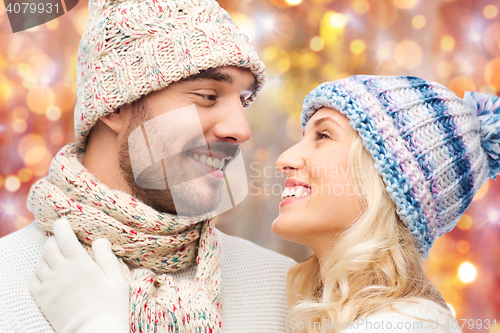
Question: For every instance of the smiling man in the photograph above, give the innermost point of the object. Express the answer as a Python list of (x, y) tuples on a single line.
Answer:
[(162, 87), (219, 96)]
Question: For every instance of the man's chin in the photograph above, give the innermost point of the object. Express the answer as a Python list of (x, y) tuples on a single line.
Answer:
[(204, 200)]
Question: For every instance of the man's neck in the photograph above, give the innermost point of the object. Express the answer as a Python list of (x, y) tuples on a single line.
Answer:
[(101, 157)]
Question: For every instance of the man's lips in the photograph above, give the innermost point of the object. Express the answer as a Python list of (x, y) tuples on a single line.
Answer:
[(211, 153), (210, 169)]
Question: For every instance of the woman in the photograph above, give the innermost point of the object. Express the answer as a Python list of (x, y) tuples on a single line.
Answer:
[(385, 166), (388, 164)]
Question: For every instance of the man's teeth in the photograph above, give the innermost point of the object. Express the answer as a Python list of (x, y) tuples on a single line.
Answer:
[(212, 162), (294, 192)]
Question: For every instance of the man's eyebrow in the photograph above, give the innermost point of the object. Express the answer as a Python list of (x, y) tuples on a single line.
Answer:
[(213, 74)]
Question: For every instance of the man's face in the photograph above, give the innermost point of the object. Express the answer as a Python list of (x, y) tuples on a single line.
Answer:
[(219, 97)]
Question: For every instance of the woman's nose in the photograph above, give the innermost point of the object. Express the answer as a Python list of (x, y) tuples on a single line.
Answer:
[(291, 159)]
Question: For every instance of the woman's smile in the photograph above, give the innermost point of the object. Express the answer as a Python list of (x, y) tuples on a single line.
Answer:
[(295, 190)]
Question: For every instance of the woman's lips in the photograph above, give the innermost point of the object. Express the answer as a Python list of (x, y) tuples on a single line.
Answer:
[(290, 182), (295, 190), (292, 199)]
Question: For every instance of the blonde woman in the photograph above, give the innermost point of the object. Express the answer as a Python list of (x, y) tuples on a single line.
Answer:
[(385, 166)]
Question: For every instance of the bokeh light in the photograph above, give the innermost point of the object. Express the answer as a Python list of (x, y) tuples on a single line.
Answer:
[(405, 4), (418, 21), (467, 272), (12, 183), (494, 215), (338, 20), (357, 46), (465, 222), (24, 174), (490, 11), (53, 113), (448, 43), (317, 44), (302, 43), (360, 7), (8, 209)]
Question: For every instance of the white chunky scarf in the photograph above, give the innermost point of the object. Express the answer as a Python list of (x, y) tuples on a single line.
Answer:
[(149, 244)]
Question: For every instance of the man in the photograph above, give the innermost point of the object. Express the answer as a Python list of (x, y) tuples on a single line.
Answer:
[(147, 69)]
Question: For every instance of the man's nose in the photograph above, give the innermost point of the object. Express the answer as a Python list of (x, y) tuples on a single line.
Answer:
[(232, 124)]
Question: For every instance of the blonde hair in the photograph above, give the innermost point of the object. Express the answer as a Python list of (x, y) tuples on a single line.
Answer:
[(373, 264)]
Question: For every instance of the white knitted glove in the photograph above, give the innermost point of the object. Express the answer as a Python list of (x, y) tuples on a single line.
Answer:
[(77, 294)]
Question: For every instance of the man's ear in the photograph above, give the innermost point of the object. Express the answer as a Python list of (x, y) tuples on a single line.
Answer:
[(116, 121)]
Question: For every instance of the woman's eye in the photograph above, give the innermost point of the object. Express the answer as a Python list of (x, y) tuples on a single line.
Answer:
[(321, 135)]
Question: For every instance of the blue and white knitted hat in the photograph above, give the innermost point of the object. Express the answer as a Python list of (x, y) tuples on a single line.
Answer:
[(433, 149)]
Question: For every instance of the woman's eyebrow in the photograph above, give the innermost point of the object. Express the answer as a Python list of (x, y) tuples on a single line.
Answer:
[(319, 121)]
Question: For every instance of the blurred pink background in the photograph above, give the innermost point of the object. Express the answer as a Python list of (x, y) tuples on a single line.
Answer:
[(303, 43)]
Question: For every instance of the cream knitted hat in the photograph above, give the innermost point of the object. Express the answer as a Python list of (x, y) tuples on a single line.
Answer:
[(133, 47)]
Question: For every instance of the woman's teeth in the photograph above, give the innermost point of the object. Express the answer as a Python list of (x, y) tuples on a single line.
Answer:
[(291, 192), (213, 162)]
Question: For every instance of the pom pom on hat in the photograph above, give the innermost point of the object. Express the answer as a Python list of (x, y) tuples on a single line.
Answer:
[(487, 108)]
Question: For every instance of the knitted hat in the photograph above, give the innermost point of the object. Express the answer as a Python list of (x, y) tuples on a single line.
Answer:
[(130, 48), (433, 150)]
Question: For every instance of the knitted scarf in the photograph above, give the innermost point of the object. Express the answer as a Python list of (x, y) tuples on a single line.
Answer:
[(149, 245)]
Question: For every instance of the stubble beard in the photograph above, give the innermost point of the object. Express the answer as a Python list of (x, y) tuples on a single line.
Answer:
[(189, 201)]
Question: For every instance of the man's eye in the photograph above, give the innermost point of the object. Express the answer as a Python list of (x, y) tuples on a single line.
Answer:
[(209, 97)]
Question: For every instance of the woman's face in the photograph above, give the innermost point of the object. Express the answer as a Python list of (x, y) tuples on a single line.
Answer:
[(318, 201)]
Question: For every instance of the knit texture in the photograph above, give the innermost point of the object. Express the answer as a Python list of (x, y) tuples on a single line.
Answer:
[(130, 48), (488, 111), (433, 150), (253, 284), (149, 244)]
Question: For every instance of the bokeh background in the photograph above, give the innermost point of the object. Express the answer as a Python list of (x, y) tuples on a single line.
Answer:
[(303, 43)]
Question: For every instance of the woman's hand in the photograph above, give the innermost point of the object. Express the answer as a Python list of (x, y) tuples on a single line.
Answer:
[(77, 294)]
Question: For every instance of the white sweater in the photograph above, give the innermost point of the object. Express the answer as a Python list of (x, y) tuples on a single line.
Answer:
[(409, 318), (253, 285)]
